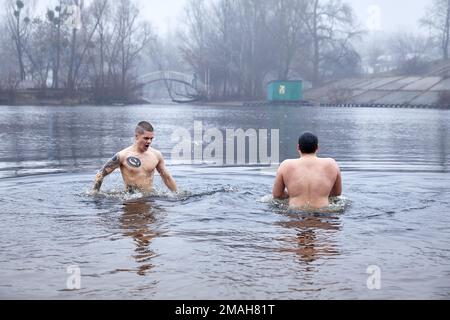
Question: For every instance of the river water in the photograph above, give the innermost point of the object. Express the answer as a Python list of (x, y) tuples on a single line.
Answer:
[(223, 237)]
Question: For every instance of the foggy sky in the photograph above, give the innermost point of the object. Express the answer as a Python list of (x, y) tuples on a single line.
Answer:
[(396, 15)]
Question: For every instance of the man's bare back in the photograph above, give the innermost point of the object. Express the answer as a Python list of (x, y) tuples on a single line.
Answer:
[(309, 181), (138, 164)]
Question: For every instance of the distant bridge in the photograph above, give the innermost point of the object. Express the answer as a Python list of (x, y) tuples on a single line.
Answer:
[(195, 89), (188, 79)]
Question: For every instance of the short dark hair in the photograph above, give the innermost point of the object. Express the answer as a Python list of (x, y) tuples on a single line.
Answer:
[(144, 126), (308, 143)]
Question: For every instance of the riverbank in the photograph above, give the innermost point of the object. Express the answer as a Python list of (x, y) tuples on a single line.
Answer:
[(59, 97), (220, 103), (320, 97), (385, 91)]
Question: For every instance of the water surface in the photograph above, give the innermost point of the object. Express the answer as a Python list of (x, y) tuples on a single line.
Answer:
[(223, 237)]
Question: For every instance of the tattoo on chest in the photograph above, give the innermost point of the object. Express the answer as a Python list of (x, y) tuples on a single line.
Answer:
[(134, 162)]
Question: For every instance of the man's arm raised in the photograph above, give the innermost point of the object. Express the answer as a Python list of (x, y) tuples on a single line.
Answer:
[(107, 169), (165, 175)]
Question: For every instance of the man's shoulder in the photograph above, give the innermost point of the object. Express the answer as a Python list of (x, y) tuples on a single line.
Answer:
[(156, 153), (287, 163), (330, 162)]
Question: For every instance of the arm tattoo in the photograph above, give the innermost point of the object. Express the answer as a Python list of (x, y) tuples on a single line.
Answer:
[(97, 185), (109, 167)]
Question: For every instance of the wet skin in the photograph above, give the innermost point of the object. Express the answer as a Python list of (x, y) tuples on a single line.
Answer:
[(310, 182), (137, 165)]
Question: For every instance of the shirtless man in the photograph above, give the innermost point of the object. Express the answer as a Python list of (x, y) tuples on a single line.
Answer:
[(310, 180), (138, 164)]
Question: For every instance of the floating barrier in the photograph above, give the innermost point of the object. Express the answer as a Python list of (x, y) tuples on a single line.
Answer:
[(384, 105), (346, 105)]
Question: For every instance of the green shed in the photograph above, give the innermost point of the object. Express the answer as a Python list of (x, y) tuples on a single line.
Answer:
[(285, 91)]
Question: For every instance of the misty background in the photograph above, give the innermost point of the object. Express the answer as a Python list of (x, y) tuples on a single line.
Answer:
[(395, 15), (233, 46)]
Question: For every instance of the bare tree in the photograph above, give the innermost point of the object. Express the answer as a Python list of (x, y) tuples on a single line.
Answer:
[(373, 54), (437, 18), (89, 28), (131, 38), (243, 43), (9, 74), (17, 28), (288, 33), (75, 24), (101, 11), (331, 26), (101, 52), (255, 49), (38, 50), (223, 50), (235, 46), (57, 18), (194, 37), (410, 52)]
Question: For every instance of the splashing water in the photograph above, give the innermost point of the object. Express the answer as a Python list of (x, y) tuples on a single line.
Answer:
[(223, 237), (337, 205), (182, 195)]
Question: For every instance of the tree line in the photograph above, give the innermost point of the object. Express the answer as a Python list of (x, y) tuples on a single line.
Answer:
[(234, 46), (73, 46), (241, 44)]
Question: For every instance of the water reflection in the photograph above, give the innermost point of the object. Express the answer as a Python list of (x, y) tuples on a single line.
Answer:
[(443, 143), (315, 236), (138, 221), (115, 236)]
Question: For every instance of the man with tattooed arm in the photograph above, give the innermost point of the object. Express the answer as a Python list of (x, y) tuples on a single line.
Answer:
[(138, 164)]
